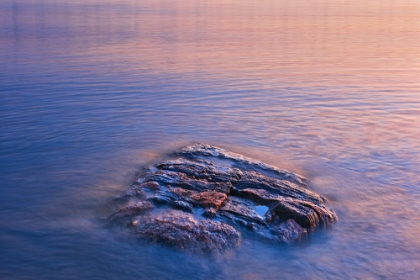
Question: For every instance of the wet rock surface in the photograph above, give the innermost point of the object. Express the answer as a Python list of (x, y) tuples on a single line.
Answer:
[(183, 231), (204, 198)]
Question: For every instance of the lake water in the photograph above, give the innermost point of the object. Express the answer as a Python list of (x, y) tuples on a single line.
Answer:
[(91, 91)]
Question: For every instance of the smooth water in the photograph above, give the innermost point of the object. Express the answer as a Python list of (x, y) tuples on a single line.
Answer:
[(92, 90)]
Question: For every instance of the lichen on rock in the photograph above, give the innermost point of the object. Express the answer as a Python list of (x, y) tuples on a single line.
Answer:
[(203, 198)]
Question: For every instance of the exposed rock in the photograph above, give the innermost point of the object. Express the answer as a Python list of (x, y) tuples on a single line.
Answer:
[(178, 204), (210, 212), (204, 150), (181, 230), (292, 209), (152, 185), (217, 195), (289, 231), (209, 198), (240, 212), (132, 209)]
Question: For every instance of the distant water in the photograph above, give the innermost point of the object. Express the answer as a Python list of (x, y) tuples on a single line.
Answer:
[(92, 90)]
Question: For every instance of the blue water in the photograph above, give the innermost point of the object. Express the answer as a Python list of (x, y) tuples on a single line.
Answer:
[(91, 91)]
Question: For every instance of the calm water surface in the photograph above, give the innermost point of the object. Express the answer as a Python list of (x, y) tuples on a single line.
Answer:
[(92, 90)]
